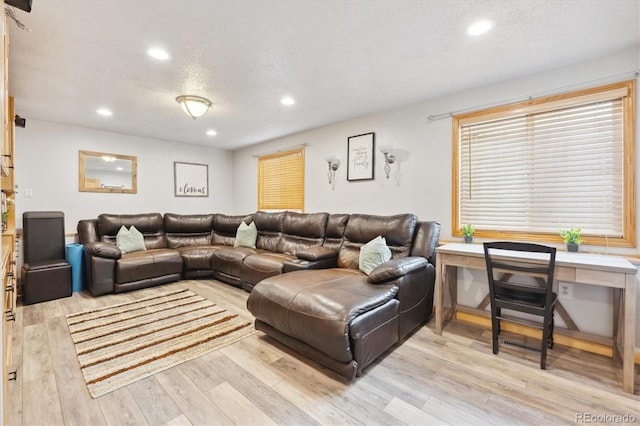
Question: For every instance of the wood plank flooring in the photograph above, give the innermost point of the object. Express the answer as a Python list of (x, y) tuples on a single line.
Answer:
[(427, 379)]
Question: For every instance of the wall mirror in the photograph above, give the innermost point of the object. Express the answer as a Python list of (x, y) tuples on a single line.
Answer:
[(103, 172)]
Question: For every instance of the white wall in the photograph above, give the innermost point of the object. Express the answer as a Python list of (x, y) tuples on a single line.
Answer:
[(421, 182), (47, 163)]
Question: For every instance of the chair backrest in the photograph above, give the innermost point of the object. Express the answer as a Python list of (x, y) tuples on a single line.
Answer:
[(506, 260), (43, 234)]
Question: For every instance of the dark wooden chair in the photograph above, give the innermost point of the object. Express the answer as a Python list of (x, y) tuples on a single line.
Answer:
[(521, 279)]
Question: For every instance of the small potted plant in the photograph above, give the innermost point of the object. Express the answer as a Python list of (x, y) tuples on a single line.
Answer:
[(572, 238), (468, 230)]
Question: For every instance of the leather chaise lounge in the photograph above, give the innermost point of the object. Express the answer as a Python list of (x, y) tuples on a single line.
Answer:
[(306, 288), (342, 318)]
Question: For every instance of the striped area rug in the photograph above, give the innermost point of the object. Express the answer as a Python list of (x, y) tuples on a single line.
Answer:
[(120, 344)]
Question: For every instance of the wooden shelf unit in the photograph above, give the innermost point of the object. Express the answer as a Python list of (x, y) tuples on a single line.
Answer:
[(7, 186)]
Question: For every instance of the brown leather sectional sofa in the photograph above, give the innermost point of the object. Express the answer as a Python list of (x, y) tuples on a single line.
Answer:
[(306, 289), (192, 246)]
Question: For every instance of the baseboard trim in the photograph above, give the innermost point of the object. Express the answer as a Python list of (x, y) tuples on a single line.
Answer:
[(569, 341)]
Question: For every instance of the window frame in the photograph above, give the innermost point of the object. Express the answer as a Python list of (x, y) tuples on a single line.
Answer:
[(628, 238), (281, 154)]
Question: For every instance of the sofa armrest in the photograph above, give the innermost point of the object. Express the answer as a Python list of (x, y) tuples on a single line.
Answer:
[(397, 268), (106, 250), (316, 253)]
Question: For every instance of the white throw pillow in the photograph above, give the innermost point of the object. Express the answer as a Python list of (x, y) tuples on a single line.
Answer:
[(373, 254), (130, 240), (246, 235)]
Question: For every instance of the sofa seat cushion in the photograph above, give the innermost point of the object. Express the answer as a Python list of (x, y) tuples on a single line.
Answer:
[(147, 264), (197, 257), (229, 260), (259, 266), (317, 306)]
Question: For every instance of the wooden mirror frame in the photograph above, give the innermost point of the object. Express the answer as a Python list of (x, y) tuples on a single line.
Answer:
[(83, 187)]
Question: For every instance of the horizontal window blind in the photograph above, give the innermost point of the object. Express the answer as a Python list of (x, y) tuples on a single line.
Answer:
[(281, 181), (540, 171)]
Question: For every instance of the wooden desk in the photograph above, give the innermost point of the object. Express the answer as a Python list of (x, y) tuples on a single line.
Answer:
[(614, 272)]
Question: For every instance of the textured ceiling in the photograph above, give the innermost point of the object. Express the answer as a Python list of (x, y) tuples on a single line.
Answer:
[(338, 59)]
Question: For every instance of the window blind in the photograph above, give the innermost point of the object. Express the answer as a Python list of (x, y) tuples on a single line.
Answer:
[(281, 181), (541, 171)]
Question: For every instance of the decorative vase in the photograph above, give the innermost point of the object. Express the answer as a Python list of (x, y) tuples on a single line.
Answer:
[(468, 239), (573, 247)]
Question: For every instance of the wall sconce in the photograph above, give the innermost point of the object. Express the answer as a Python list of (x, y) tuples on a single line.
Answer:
[(389, 159), (333, 164)]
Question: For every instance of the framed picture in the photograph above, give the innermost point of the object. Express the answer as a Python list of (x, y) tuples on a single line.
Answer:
[(190, 179), (360, 152)]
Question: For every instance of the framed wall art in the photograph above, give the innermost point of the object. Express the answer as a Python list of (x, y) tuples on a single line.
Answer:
[(360, 152), (190, 179)]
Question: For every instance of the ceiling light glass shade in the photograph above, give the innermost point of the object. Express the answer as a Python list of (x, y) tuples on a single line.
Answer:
[(194, 106)]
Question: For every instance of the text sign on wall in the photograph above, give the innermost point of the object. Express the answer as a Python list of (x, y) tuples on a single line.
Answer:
[(190, 179)]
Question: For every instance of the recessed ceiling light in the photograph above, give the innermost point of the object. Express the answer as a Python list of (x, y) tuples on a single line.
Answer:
[(287, 100), (158, 54), (211, 132), (479, 27), (105, 112)]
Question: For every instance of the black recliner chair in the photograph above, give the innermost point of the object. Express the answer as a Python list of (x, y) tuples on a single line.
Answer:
[(46, 275)]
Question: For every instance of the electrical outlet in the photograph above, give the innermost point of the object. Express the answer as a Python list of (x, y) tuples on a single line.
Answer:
[(565, 290)]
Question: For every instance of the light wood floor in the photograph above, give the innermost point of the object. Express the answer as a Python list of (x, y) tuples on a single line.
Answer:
[(428, 379)]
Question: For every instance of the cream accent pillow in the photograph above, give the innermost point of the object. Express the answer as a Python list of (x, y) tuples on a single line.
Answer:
[(130, 240), (373, 254), (246, 235)]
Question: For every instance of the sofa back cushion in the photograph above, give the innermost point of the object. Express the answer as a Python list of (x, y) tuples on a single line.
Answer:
[(398, 231), (302, 230), (269, 229), (88, 231), (226, 226), (188, 230), (426, 240), (336, 224), (149, 224)]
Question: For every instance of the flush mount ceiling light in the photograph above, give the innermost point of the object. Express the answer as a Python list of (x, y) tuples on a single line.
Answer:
[(194, 106), (287, 100), (479, 28), (211, 132)]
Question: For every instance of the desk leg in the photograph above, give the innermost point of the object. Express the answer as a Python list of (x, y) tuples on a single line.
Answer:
[(451, 279), (439, 296), (446, 283), (618, 323), (629, 333)]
